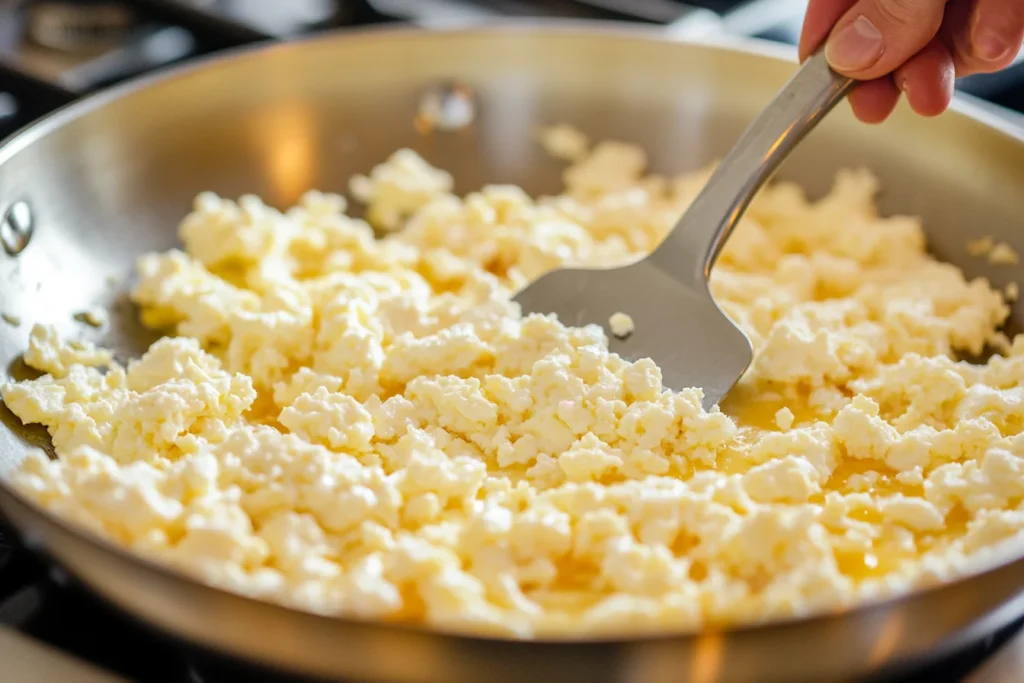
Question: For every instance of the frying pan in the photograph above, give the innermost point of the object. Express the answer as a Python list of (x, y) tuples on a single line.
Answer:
[(108, 178)]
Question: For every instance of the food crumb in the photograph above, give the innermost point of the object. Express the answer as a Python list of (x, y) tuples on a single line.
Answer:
[(396, 189), (912, 477), (11, 319), (564, 142), (622, 325), (1003, 254), (980, 246), (784, 419), (94, 317), (1012, 291)]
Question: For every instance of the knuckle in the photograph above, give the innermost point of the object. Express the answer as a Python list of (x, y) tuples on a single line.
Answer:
[(992, 66), (900, 14), (977, 62)]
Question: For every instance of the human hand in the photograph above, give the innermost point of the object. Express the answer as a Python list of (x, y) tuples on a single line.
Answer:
[(914, 47)]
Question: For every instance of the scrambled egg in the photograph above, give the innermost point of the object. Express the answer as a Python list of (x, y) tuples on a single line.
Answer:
[(997, 253), (370, 428), (621, 324)]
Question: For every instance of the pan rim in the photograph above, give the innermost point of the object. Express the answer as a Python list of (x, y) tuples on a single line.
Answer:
[(962, 105)]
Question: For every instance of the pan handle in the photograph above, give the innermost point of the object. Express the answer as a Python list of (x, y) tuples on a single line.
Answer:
[(694, 243)]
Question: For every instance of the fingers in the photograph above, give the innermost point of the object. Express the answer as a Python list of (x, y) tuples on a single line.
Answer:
[(927, 79), (996, 30), (874, 37), (914, 47), (821, 16), (984, 35), (873, 101)]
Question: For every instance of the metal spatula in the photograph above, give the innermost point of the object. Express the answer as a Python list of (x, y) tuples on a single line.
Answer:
[(676, 322)]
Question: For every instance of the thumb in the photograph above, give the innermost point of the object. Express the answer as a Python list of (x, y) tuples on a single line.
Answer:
[(874, 37)]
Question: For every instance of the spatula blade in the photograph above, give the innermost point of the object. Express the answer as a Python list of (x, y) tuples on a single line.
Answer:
[(680, 328)]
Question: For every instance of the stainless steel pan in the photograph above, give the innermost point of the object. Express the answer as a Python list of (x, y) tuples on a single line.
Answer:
[(108, 178)]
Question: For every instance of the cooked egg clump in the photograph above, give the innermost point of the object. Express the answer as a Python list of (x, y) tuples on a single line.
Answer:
[(621, 325), (371, 428)]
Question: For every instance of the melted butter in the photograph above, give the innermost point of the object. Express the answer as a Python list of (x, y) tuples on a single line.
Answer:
[(884, 559), (872, 564), (847, 468), (956, 527), (884, 485), (575, 590), (866, 515), (754, 414), (566, 599), (732, 461), (234, 273), (956, 521), (264, 410), (750, 407), (413, 605)]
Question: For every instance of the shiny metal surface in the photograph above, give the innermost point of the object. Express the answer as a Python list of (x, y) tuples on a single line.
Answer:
[(694, 244), (110, 177), (678, 324), (16, 226), (446, 107)]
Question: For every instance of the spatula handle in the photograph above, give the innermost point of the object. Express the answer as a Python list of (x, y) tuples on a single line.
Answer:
[(697, 238)]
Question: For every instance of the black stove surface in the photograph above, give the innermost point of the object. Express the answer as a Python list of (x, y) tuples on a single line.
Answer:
[(41, 603), (52, 52)]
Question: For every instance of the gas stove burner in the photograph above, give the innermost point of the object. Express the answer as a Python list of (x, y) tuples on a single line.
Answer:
[(78, 25)]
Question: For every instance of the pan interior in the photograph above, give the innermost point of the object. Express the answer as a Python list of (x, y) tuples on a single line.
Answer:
[(110, 178)]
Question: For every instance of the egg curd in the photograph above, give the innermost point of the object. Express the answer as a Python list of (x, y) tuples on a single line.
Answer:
[(370, 428)]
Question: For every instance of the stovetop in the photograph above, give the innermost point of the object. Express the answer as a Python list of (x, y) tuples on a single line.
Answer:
[(55, 51)]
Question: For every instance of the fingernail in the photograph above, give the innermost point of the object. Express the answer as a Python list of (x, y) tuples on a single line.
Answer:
[(856, 46), (988, 44)]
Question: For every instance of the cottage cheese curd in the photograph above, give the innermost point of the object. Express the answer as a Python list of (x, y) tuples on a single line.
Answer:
[(621, 324), (370, 428)]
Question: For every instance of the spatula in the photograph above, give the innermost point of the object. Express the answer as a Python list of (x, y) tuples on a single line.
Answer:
[(676, 323)]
